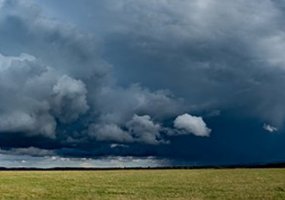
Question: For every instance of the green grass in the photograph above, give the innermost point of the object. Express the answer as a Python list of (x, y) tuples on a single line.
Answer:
[(144, 184)]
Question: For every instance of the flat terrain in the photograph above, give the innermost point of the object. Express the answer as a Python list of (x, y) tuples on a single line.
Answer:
[(144, 184)]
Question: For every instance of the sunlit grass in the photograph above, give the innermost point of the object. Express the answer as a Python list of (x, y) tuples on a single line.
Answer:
[(144, 184)]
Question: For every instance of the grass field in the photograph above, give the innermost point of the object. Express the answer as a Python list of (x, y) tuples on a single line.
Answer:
[(144, 184)]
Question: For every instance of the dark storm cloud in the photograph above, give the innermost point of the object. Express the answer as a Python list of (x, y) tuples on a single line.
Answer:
[(53, 78), (225, 53), (141, 78)]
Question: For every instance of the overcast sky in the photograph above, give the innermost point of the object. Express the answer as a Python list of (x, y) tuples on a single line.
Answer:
[(141, 83)]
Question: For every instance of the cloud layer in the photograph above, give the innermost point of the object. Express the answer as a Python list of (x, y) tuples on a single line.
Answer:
[(127, 77)]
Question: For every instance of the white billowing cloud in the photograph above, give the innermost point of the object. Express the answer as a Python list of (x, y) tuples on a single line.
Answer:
[(33, 94), (139, 129), (192, 124), (24, 108), (270, 128), (69, 99), (142, 128), (30, 123)]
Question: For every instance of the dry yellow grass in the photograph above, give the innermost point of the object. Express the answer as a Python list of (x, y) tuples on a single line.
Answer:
[(239, 184)]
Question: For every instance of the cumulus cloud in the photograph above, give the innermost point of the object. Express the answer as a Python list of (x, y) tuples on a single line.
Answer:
[(139, 129), (269, 128), (109, 132), (23, 108), (142, 128), (69, 99), (22, 122), (34, 95), (192, 124)]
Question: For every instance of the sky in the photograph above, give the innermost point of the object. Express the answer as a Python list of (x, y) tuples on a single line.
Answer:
[(92, 83)]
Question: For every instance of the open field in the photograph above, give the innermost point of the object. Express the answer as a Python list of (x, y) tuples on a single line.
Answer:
[(144, 184)]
